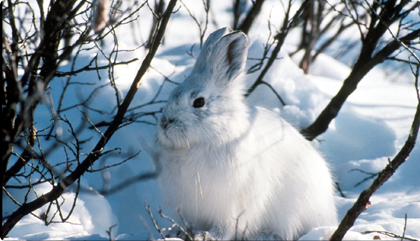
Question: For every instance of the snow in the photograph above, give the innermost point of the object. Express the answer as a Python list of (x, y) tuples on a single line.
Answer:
[(370, 128), (82, 222)]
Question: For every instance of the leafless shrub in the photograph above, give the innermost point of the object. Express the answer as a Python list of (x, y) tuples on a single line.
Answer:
[(375, 49), (39, 54), (289, 23), (363, 203), (202, 28)]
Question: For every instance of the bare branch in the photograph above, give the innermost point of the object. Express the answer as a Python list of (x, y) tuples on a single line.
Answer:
[(95, 153), (187, 234), (363, 202), (288, 24), (250, 17), (96, 68), (369, 57), (201, 29), (389, 234), (155, 224)]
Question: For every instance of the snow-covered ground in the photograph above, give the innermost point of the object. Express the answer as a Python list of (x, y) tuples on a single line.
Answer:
[(370, 128)]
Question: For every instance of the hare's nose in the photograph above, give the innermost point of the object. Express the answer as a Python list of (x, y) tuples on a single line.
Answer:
[(165, 121)]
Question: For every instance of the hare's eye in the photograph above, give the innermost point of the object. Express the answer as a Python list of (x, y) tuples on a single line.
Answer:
[(198, 103)]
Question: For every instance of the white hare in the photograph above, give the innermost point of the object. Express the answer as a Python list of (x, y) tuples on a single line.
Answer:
[(232, 169)]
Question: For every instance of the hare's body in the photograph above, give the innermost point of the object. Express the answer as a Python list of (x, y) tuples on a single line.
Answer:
[(236, 170)]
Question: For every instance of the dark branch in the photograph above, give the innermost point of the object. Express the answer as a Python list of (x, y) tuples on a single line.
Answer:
[(96, 152), (363, 202), (250, 17), (281, 36), (363, 65)]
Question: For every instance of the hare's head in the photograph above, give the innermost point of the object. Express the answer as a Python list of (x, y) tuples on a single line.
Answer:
[(208, 108)]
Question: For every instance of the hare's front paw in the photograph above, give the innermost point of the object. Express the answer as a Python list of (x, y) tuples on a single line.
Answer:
[(204, 236)]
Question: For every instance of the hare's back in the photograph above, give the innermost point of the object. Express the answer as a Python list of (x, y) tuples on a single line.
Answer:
[(300, 177)]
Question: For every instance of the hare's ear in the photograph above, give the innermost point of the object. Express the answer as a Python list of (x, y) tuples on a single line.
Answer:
[(228, 57), (202, 61)]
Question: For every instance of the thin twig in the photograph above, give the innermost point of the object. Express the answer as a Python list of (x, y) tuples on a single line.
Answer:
[(96, 68), (155, 224), (175, 224), (389, 234)]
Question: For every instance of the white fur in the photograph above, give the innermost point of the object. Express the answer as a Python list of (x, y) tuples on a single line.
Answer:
[(233, 169)]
